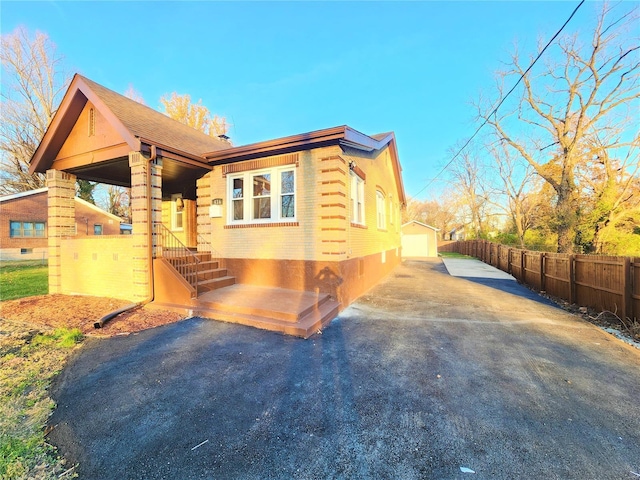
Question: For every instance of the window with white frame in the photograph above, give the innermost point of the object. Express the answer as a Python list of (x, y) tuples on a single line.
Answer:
[(381, 207), (262, 196), (177, 212), (357, 199)]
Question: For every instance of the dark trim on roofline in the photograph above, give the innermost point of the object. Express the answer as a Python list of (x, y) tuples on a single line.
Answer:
[(318, 138)]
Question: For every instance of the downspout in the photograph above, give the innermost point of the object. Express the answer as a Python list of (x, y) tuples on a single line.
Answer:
[(111, 315)]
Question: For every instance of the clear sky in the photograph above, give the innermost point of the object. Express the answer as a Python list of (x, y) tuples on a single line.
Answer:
[(278, 68)]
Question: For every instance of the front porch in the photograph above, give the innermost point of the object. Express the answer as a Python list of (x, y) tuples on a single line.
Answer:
[(197, 283), (290, 312)]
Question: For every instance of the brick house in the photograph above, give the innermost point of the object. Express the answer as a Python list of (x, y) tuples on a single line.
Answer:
[(278, 234), (23, 224)]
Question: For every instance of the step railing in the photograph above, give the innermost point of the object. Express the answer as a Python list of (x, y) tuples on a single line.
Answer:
[(205, 246), (186, 263)]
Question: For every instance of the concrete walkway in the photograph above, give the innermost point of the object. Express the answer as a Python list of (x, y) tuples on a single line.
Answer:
[(429, 376), (473, 268)]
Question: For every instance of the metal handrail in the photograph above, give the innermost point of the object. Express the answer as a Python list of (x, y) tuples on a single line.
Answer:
[(181, 258), (208, 248)]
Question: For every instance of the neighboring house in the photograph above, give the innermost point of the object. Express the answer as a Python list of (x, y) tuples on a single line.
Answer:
[(23, 224), (419, 240), (317, 212), (457, 233)]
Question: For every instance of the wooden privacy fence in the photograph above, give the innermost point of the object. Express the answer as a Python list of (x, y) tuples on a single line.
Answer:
[(598, 281)]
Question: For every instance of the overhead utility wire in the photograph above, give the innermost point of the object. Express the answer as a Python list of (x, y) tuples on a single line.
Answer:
[(501, 101)]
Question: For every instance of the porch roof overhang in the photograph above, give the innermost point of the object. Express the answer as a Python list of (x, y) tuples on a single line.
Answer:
[(138, 127)]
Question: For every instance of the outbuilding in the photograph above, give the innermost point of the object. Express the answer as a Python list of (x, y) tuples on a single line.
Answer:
[(419, 240)]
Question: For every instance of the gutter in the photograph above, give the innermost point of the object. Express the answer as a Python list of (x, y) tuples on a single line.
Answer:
[(111, 315)]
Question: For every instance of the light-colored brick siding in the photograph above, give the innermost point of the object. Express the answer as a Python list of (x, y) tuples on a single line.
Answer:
[(100, 266), (323, 229)]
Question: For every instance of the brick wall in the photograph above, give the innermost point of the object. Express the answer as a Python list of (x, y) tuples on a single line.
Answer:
[(322, 229), (34, 208), (100, 266)]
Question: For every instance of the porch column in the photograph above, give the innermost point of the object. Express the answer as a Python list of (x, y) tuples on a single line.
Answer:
[(61, 221), (140, 255)]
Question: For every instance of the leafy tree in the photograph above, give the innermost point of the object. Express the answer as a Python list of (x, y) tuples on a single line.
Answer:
[(181, 108), (585, 90), (85, 190), (33, 84)]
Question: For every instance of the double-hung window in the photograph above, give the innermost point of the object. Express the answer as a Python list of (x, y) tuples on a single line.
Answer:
[(381, 207), (263, 196), (357, 199)]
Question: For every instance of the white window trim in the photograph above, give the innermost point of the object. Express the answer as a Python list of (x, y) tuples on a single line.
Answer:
[(357, 199), (381, 208), (276, 196), (174, 213)]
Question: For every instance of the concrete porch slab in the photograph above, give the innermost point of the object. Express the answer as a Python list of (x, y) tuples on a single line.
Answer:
[(291, 312)]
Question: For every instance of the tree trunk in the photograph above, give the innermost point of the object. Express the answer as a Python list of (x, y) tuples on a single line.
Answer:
[(566, 218)]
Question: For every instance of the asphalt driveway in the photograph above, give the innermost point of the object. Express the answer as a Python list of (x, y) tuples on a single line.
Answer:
[(428, 376)]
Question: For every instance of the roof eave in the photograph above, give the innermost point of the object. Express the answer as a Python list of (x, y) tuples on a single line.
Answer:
[(277, 146), (70, 108)]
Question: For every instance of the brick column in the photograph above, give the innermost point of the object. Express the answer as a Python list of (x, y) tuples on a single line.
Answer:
[(61, 221), (139, 218), (203, 202)]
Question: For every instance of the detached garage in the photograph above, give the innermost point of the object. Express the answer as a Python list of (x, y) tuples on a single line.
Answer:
[(419, 240)]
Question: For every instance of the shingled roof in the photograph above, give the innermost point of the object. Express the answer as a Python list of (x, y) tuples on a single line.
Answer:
[(147, 123), (136, 123)]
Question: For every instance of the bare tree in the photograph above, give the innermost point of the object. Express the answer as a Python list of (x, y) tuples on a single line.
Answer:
[(442, 214), (32, 87), (134, 95), (585, 90), (118, 202), (468, 177), (511, 194)]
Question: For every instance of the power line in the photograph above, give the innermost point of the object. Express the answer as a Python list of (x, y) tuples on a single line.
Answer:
[(501, 101)]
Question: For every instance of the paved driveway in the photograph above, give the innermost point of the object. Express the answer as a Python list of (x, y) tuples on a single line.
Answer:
[(425, 376)]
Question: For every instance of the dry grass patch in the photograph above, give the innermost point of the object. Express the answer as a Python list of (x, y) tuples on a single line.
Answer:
[(30, 356)]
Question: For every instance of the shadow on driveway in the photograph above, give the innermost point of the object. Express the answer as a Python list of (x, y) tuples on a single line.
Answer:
[(425, 374)]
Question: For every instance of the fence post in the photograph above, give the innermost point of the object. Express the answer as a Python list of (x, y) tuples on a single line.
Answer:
[(572, 280), (626, 289), (523, 273), (509, 250), (542, 282)]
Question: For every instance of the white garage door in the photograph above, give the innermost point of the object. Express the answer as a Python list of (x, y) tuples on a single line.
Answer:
[(415, 246)]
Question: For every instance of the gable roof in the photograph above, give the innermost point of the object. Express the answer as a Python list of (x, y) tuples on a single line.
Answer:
[(137, 124), (28, 193), (421, 224), (14, 196)]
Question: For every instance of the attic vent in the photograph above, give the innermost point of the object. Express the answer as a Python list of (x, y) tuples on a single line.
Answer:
[(92, 122)]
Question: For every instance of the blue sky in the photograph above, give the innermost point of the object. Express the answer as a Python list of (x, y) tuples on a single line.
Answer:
[(277, 68)]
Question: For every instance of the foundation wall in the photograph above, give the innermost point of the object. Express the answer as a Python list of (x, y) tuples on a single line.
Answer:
[(344, 280)]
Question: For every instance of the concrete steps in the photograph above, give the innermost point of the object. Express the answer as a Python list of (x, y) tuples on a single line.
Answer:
[(286, 311), (209, 274)]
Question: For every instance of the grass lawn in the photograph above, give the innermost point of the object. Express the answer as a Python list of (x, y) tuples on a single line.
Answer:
[(30, 356), (29, 359), (23, 279), (452, 255)]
